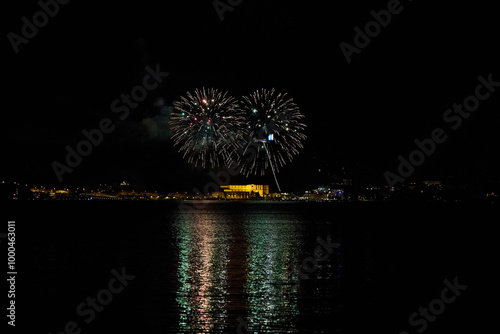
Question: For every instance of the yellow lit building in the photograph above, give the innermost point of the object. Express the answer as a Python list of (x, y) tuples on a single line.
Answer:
[(245, 191)]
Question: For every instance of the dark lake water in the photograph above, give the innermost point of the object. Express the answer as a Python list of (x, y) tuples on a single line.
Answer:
[(249, 267)]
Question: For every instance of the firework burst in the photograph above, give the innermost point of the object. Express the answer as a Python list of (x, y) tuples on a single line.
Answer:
[(207, 125), (275, 133)]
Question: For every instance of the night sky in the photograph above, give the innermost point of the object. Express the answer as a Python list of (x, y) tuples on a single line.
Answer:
[(360, 116)]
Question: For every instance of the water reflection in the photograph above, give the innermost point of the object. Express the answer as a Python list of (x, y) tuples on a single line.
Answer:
[(272, 286), (239, 269), (202, 275)]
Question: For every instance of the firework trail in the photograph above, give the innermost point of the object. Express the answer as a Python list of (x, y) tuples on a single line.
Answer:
[(275, 133), (208, 126)]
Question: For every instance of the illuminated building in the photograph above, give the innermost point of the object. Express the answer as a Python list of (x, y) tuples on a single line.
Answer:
[(245, 191)]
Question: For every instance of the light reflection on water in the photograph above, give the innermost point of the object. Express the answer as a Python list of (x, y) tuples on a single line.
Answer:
[(202, 274), (273, 250), (238, 271), (233, 267)]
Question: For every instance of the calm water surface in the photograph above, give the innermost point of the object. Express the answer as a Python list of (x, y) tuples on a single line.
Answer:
[(243, 265), (239, 267)]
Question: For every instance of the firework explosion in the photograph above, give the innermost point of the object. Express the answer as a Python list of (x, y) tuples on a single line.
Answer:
[(274, 131), (207, 125)]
